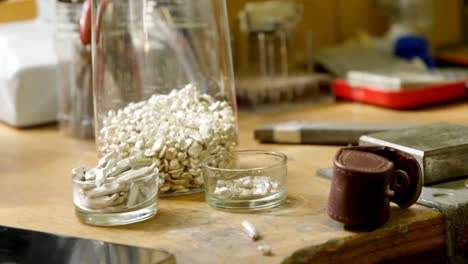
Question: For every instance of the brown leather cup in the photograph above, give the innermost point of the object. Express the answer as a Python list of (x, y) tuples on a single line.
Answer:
[(366, 179)]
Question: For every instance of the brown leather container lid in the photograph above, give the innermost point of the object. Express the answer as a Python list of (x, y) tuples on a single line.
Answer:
[(363, 162)]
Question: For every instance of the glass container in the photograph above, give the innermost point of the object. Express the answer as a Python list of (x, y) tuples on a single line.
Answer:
[(74, 73), (163, 83), (117, 202), (246, 180)]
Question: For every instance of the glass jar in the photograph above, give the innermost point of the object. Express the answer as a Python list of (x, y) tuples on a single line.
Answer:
[(74, 73), (164, 86)]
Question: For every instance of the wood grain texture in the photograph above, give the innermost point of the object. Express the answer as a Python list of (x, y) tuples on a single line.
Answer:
[(35, 193)]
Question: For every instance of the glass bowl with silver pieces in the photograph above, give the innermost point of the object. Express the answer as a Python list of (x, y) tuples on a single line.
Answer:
[(246, 180), (116, 191)]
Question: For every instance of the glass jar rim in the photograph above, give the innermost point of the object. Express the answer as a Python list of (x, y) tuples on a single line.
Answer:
[(280, 163)]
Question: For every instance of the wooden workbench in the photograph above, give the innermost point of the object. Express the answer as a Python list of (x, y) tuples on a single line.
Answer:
[(35, 193)]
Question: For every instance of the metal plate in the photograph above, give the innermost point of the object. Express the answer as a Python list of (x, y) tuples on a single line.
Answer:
[(28, 247), (440, 149)]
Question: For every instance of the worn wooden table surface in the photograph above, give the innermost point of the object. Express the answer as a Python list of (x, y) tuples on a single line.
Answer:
[(35, 193)]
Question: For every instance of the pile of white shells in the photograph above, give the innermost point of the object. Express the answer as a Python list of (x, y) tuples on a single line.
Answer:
[(246, 187), (177, 131), (114, 184)]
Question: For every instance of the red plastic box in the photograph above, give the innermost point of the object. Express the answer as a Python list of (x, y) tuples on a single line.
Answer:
[(404, 99)]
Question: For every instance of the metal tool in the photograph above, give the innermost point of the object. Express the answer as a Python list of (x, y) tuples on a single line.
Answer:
[(297, 132)]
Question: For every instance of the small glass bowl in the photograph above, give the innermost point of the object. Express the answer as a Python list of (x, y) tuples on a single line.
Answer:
[(247, 180), (116, 203)]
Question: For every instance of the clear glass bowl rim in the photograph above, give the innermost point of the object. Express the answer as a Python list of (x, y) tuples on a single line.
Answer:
[(281, 163)]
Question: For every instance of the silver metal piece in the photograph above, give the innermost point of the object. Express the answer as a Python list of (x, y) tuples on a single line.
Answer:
[(108, 168), (79, 173), (133, 195), (246, 187), (90, 175), (251, 231), (176, 173), (180, 182), (78, 170), (100, 177), (174, 164), (154, 168), (162, 152), (265, 249), (165, 188), (150, 153), (133, 174), (171, 153), (106, 189), (103, 201), (157, 146), (103, 161), (138, 163), (118, 169), (124, 163), (195, 149), (136, 156)]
